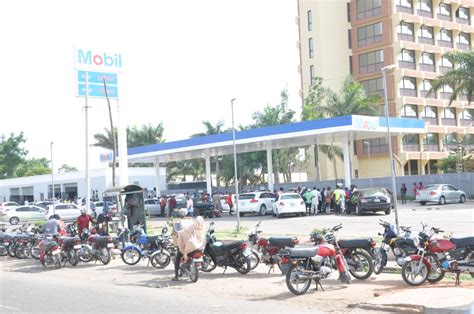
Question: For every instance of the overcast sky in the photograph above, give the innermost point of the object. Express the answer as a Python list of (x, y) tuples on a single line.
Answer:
[(182, 63)]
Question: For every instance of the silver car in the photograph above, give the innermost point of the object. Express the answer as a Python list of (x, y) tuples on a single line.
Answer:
[(441, 194), (152, 207)]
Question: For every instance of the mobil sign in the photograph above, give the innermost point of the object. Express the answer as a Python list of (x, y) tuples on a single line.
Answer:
[(87, 59)]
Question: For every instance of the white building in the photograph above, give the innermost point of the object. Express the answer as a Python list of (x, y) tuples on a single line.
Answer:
[(73, 184)]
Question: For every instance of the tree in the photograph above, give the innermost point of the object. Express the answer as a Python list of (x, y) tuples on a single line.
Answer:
[(12, 155), (461, 79), (33, 167), (459, 158), (66, 168)]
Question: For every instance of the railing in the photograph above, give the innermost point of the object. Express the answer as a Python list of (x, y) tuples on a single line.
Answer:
[(463, 21), (407, 65), (427, 41), (427, 67), (424, 13), (465, 122), (445, 96), (443, 69), (406, 37), (431, 120), (444, 17), (401, 8), (448, 121), (432, 147), (411, 147), (463, 46), (427, 94), (445, 43), (408, 92)]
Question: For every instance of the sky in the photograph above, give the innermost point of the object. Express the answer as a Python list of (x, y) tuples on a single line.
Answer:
[(182, 63)]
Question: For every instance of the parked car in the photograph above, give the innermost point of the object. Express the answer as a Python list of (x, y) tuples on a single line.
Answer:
[(44, 204), (24, 213), (289, 203), (370, 200), (152, 207), (65, 211), (256, 203), (8, 205), (99, 207), (204, 208), (441, 194), (224, 205)]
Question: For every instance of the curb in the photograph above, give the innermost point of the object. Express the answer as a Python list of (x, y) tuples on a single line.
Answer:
[(409, 308)]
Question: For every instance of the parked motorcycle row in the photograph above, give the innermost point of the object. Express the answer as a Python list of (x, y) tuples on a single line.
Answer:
[(422, 257)]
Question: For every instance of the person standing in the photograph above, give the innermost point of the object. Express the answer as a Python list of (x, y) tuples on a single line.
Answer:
[(190, 206), (171, 205), (315, 200), (308, 196), (229, 202), (420, 186), (403, 193), (414, 189), (338, 198), (216, 201), (162, 205), (83, 221), (328, 200)]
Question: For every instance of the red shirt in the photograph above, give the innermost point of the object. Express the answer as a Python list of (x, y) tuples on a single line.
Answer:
[(83, 222)]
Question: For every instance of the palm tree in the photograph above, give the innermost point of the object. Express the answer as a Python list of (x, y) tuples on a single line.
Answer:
[(461, 79)]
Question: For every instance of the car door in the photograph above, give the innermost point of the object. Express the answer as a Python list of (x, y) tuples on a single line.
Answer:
[(23, 212), (453, 193), (270, 200), (61, 210), (36, 214)]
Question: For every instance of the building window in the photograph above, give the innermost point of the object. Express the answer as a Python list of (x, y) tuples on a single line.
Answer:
[(310, 45), (368, 8), (377, 145), (463, 15), (463, 41), (405, 6), (431, 142), (411, 142), (425, 35), (410, 111), (406, 59), (310, 20), (445, 38), (405, 31), (311, 74), (348, 12), (371, 61), (373, 86), (449, 116), (446, 91), (450, 141), (444, 11), (425, 8), (408, 86), (430, 115), (467, 117), (427, 62), (370, 34), (351, 71), (445, 65), (349, 38), (426, 91)]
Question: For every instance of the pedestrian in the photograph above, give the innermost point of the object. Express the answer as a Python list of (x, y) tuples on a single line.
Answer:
[(162, 205), (171, 205), (338, 197), (414, 189), (216, 200), (420, 186), (190, 206), (308, 196), (328, 200), (315, 200), (229, 202), (281, 191), (403, 193)]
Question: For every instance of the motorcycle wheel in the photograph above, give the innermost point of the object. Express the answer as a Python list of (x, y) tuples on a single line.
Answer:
[(436, 273), (130, 256), (254, 260), (85, 257), (35, 251), (296, 286), (57, 261), (104, 256), (193, 272), (27, 250), (410, 274), (20, 252), (72, 257), (160, 260), (360, 265), (11, 249), (3, 250), (378, 263), (244, 266), (207, 265)]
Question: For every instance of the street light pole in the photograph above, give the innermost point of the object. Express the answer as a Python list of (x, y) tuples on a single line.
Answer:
[(235, 168), (370, 165), (389, 141), (52, 175)]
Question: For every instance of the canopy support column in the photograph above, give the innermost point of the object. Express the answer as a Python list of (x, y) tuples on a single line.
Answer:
[(347, 163), (270, 168), (157, 175), (208, 173)]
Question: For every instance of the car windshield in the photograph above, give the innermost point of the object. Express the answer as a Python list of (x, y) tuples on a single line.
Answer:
[(371, 192), (290, 197), (246, 196)]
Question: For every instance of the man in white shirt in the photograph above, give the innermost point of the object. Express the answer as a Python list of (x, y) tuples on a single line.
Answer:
[(315, 200)]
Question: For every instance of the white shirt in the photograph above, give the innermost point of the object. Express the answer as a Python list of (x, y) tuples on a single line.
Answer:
[(190, 204), (316, 196)]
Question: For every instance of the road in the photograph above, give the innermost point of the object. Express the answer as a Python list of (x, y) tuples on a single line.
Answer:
[(455, 219)]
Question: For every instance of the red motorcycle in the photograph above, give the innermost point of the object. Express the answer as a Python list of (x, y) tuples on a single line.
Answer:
[(314, 263), (439, 256), (268, 250), (98, 248), (50, 252)]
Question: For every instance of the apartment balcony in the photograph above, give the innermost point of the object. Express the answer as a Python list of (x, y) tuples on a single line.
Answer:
[(445, 96), (450, 147), (445, 43), (426, 41), (406, 37), (448, 121), (431, 120), (401, 8), (462, 97), (431, 147), (411, 147), (427, 94), (465, 122), (408, 92), (463, 21), (463, 46), (444, 17), (427, 67), (444, 70), (424, 13), (407, 65)]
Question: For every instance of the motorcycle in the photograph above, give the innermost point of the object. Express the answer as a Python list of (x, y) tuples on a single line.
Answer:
[(267, 250), (314, 263), (438, 256), (70, 247), (354, 251), (192, 265), (166, 250), (96, 247), (235, 254), (50, 252)]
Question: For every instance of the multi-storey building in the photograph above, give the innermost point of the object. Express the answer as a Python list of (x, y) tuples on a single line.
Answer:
[(360, 37)]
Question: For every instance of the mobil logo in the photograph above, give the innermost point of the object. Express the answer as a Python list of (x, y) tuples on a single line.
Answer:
[(88, 58)]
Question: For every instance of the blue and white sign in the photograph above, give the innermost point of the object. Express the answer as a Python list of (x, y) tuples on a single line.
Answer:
[(97, 77), (365, 123), (97, 91), (95, 84)]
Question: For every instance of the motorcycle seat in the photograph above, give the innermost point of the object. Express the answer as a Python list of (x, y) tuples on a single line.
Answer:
[(405, 242), (282, 242), (5, 236), (101, 239), (303, 252), (70, 240), (152, 239), (463, 242), (354, 243), (227, 246)]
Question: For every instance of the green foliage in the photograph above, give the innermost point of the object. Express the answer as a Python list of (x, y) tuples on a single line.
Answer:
[(314, 98), (66, 168), (12, 155), (459, 159), (33, 167)]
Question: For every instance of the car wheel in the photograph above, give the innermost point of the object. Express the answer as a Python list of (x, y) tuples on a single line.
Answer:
[(387, 211), (303, 214), (442, 200), (241, 214), (263, 210), (14, 220), (422, 203), (278, 216), (462, 199), (358, 212)]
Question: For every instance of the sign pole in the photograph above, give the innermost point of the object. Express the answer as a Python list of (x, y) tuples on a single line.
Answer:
[(88, 179)]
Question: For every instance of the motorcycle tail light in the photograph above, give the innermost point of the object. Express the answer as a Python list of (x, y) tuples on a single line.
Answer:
[(296, 241), (282, 204), (243, 246), (372, 243), (253, 200), (197, 255), (284, 260)]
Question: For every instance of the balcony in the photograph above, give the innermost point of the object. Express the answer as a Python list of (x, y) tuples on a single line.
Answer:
[(427, 94), (431, 120), (406, 37), (450, 147), (424, 13), (445, 43), (407, 65), (465, 122), (463, 46), (448, 121), (408, 92), (445, 96), (411, 147), (444, 17), (426, 41), (432, 147), (401, 8), (427, 67), (444, 70), (462, 97), (463, 21)]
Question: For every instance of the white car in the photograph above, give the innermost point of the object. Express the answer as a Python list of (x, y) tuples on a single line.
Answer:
[(24, 213), (65, 211), (99, 207), (256, 203), (224, 205), (289, 203), (8, 205)]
